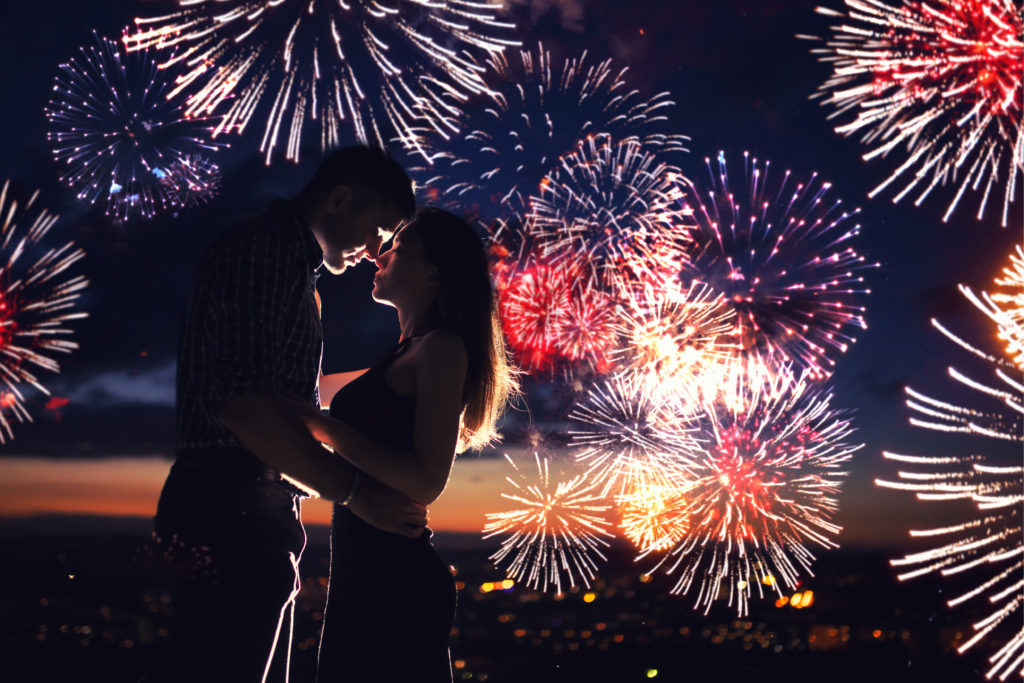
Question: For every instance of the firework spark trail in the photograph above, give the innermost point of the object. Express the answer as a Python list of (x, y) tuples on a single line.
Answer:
[(1005, 306), (115, 130), (587, 327), (359, 64), (615, 203), (653, 510), (554, 316), (780, 253), (625, 424), (538, 108), (676, 333), (989, 547), (940, 79), (191, 181), (37, 302), (558, 528), (763, 489), (531, 304)]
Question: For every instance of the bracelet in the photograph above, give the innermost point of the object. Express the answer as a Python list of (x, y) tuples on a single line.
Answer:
[(351, 490)]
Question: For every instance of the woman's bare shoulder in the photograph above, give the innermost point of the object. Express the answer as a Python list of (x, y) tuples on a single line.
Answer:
[(441, 346)]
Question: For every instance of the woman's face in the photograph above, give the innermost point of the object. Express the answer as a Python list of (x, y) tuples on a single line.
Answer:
[(403, 273)]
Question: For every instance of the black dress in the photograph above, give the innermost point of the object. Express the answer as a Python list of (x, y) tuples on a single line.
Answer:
[(391, 599)]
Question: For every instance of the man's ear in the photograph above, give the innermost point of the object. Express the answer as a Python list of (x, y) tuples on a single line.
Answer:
[(339, 199)]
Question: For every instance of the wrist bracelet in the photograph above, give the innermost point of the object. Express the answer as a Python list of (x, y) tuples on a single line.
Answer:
[(351, 490)]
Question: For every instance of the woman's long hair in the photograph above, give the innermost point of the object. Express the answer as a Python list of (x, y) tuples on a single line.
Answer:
[(466, 304)]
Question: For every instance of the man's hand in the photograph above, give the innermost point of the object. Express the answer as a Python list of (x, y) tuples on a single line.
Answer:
[(301, 408), (387, 509)]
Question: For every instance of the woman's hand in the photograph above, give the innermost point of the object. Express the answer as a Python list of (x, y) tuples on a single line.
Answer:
[(388, 510)]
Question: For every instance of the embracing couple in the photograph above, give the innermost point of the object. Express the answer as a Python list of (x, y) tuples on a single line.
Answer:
[(251, 433)]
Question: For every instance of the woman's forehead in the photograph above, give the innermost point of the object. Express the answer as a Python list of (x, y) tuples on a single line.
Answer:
[(406, 234)]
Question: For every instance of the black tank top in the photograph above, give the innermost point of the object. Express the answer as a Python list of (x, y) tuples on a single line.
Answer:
[(391, 602), (372, 407)]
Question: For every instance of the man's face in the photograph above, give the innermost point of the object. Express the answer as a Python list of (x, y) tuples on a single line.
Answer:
[(355, 235)]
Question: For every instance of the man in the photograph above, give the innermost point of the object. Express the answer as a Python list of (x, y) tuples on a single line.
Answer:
[(251, 332)]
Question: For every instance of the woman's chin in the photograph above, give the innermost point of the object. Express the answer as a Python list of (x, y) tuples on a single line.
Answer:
[(380, 297)]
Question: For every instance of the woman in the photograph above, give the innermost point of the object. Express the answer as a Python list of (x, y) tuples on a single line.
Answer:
[(391, 600)]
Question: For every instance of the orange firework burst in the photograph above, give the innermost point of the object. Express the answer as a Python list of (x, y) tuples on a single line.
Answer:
[(654, 516), (986, 546), (1005, 306), (558, 527)]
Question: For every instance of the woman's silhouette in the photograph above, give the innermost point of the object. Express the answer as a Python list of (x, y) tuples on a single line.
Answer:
[(391, 600)]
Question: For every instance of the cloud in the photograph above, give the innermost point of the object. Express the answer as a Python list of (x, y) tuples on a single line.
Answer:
[(570, 12), (880, 384), (152, 387)]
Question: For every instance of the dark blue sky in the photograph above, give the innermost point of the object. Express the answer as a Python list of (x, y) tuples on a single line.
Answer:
[(741, 81)]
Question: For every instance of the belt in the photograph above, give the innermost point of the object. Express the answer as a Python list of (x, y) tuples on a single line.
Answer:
[(232, 463)]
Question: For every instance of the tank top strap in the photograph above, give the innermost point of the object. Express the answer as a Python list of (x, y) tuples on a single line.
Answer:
[(397, 350)]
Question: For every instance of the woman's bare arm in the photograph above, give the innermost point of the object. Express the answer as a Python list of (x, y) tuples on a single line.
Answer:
[(331, 384), (440, 365)]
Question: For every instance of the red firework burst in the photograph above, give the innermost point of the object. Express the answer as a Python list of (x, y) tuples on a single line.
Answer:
[(941, 79), (37, 303), (553, 314)]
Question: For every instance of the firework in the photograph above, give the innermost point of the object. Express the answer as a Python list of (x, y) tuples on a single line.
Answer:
[(1005, 306), (627, 424), (537, 110), (779, 252), (115, 132), (327, 65), (678, 334), (763, 488), (37, 302), (940, 80), (558, 527), (653, 511), (988, 546), (613, 202), (191, 180), (553, 314)]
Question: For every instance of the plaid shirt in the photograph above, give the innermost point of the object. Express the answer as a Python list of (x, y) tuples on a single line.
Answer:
[(250, 323)]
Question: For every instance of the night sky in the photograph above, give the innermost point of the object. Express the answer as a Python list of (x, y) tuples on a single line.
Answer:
[(740, 80)]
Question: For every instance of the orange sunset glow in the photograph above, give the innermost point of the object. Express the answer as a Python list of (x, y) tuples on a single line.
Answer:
[(130, 487)]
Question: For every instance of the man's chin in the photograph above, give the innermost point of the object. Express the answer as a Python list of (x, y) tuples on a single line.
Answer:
[(334, 268), (341, 264)]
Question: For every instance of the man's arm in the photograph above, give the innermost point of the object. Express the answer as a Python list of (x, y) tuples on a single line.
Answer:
[(280, 439), (253, 287)]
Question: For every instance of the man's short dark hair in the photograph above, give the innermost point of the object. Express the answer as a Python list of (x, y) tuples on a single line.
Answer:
[(376, 177)]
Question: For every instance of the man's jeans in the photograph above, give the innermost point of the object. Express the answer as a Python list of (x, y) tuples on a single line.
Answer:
[(234, 538)]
